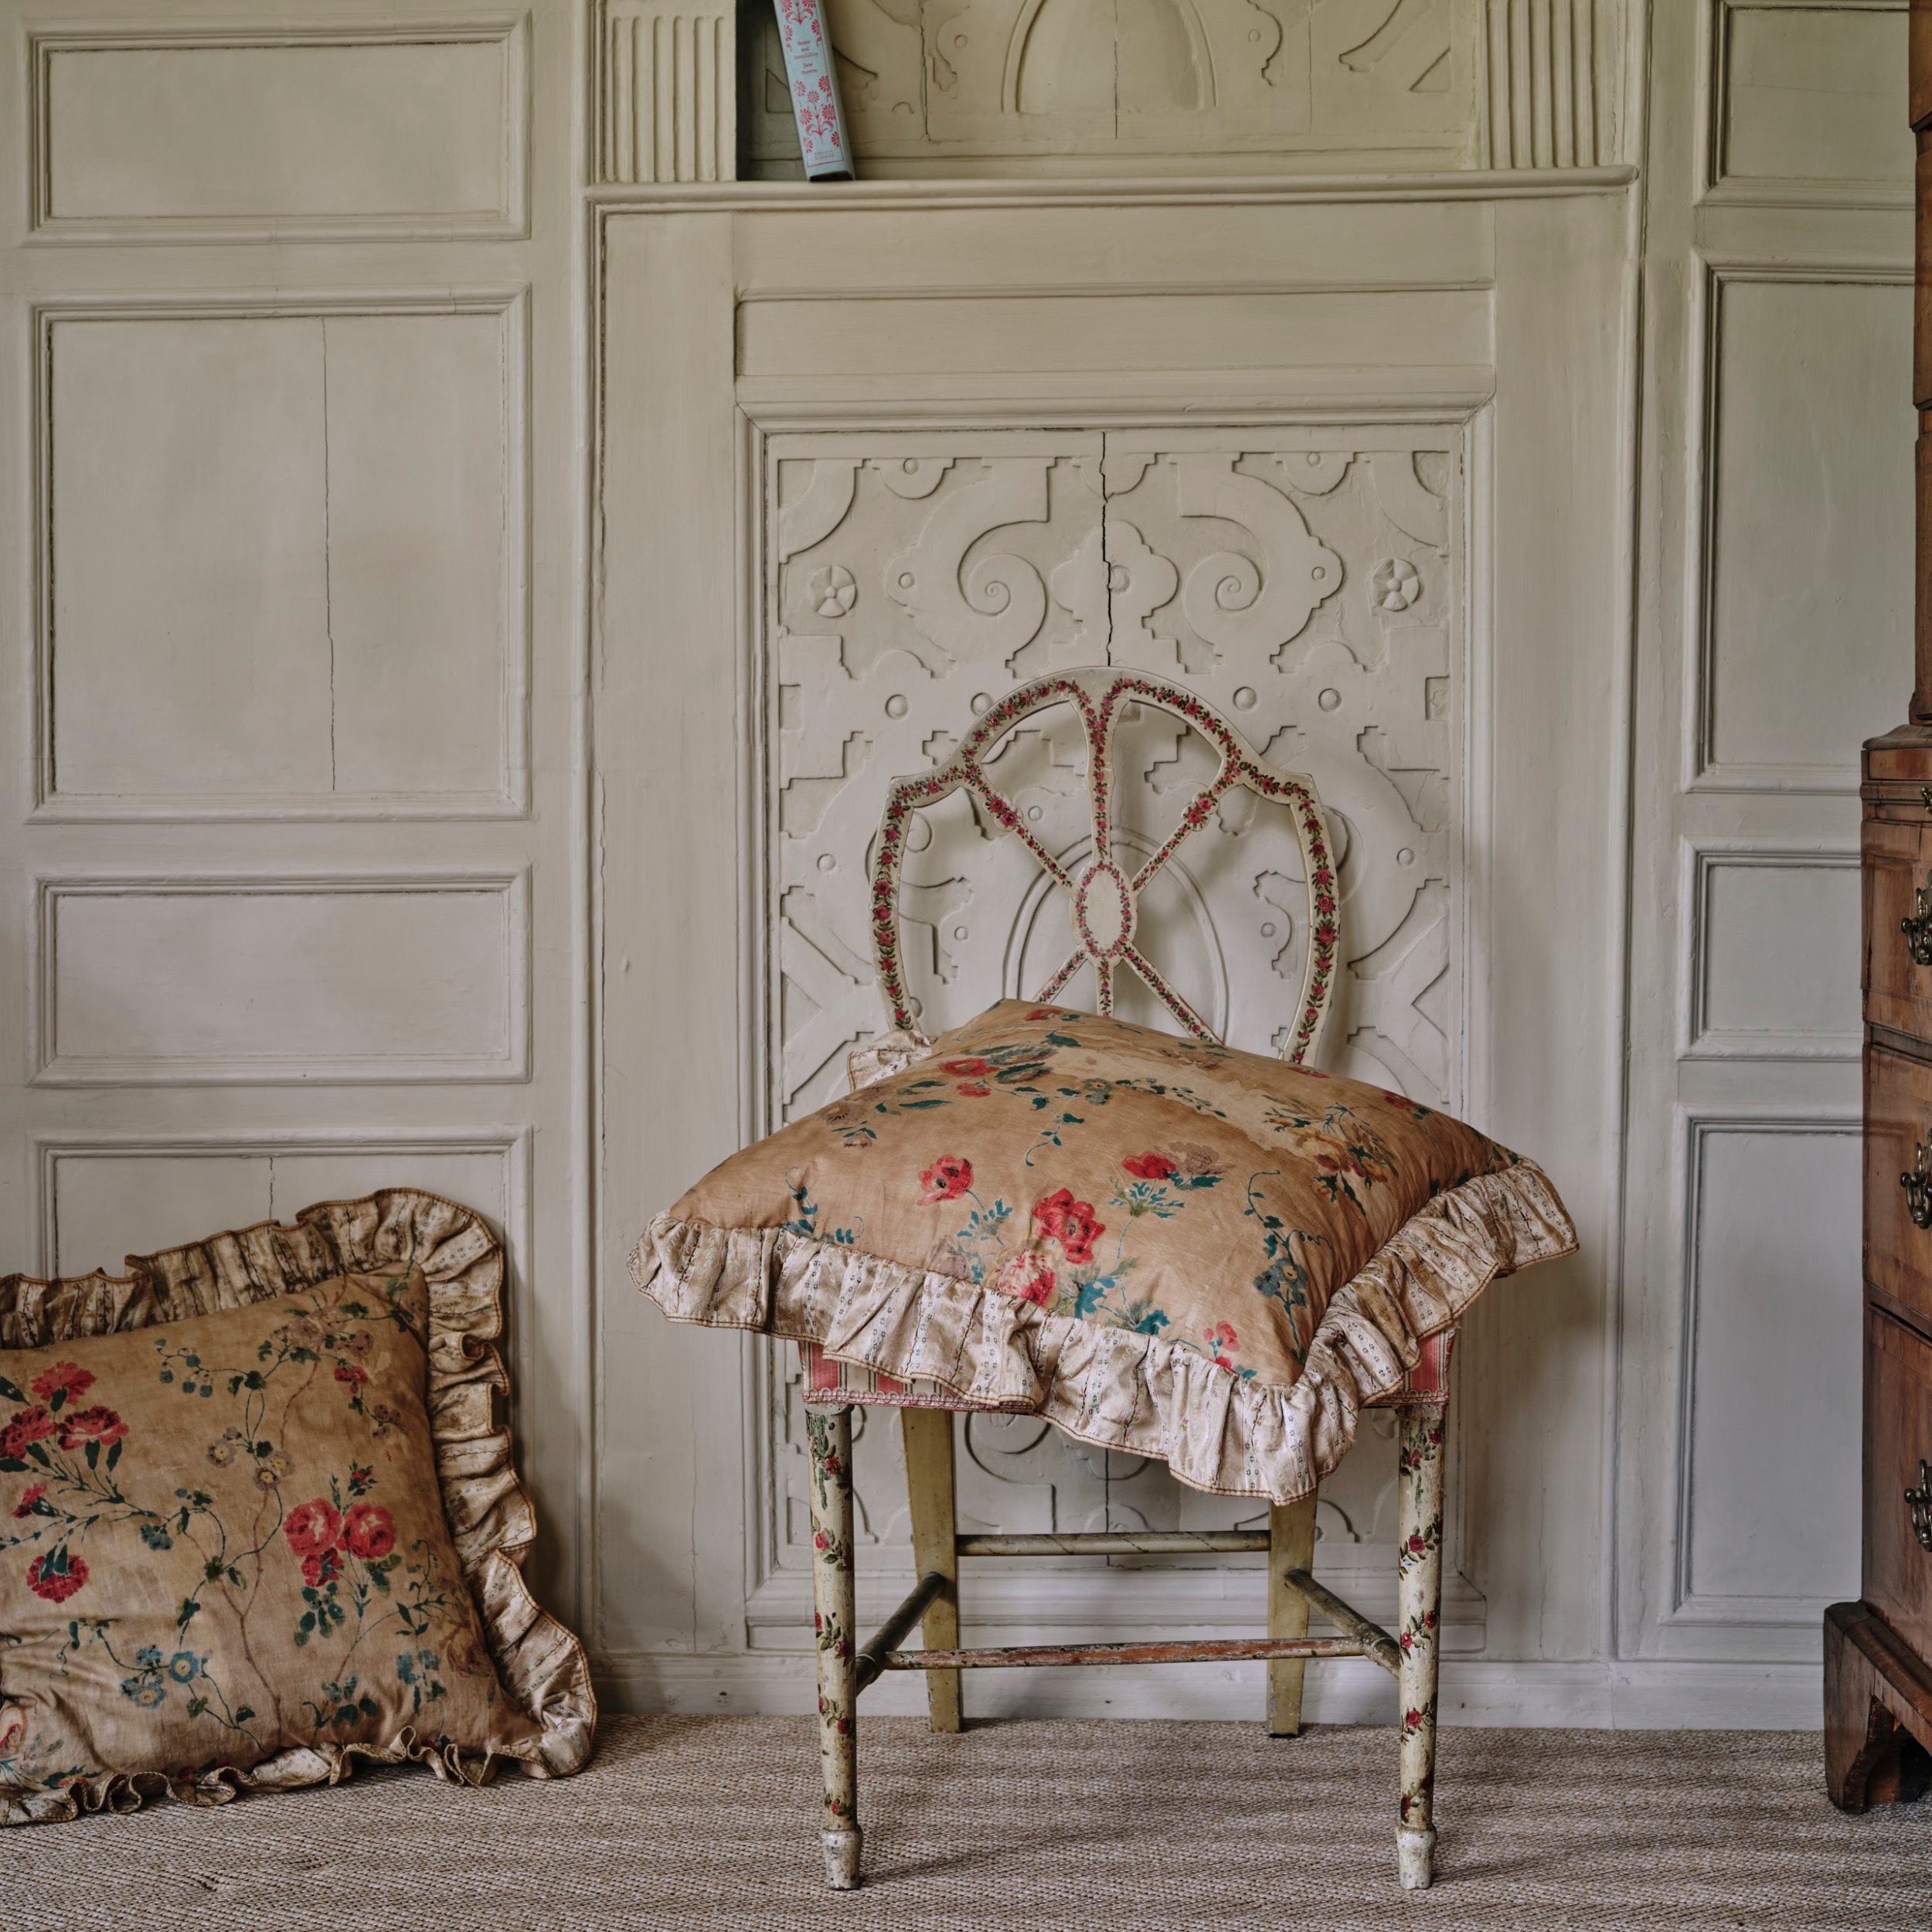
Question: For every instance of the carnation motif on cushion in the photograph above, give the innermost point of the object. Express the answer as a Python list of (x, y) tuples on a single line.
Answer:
[(239, 1546), (1161, 1244)]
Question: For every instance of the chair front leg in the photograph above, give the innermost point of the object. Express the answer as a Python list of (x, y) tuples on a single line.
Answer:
[(1290, 1546), (1418, 1570), (835, 1613)]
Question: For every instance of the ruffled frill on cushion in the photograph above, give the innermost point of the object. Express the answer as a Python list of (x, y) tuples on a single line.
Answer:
[(1112, 1387), (492, 1521)]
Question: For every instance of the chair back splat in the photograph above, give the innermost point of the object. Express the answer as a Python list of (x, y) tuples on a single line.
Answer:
[(1105, 898)]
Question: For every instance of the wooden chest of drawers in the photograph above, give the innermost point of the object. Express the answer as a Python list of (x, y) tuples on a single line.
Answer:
[(1878, 1652)]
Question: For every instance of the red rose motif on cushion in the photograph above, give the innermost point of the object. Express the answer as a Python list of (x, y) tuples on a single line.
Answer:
[(966, 1069), (324, 1567), (91, 1425), (65, 1382), (29, 1425), (313, 1527), (974, 1089), (1150, 1167), (348, 1371), (1027, 1278), (56, 1576), (1072, 1223), (369, 1532), (947, 1179)]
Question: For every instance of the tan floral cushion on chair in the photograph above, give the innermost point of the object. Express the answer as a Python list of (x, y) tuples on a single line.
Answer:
[(1158, 1243), (238, 1545)]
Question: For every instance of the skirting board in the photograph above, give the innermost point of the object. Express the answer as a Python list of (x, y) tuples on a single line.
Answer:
[(1624, 1696)]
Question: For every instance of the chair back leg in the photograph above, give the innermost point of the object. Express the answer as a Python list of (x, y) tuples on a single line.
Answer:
[(835, 1612), (928, 1436), (1418, 1571), (1290, 1546)]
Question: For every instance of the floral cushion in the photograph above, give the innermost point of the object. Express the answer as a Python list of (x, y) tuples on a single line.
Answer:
[(238, 1545), (1160, 1244)]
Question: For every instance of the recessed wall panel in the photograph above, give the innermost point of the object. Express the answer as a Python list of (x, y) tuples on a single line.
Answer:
[(1816, 94), (190, 596), (296, 981), (1776, 966), (421, 496), (342, 132), (102, 1203), (1264, 329), (285, 554), (103, 1208), (1770, 1479), (1808, 549)]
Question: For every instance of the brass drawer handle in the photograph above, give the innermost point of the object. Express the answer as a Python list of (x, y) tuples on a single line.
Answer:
[(1919, 1502), (1918, 1187), (1916, 926)]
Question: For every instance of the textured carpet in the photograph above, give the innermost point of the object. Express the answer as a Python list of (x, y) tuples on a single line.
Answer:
[(1018, 1827)]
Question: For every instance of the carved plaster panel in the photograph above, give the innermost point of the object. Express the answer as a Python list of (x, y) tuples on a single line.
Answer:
[(989, 87), (940, 80), (1309, 584)]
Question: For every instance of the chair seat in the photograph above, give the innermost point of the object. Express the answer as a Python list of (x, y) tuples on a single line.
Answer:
[(1161, 1245)]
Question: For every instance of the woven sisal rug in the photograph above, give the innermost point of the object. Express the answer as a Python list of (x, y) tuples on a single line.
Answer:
[(1017, 1827)]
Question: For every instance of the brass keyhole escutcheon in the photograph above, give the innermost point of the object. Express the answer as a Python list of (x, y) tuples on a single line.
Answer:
[(1918, 1187), (1916, 926), (1919, 1502)]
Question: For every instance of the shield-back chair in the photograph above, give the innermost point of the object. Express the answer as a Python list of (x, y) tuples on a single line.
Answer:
[(1104, 898)]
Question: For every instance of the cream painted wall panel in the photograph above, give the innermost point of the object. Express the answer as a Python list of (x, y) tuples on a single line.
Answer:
[(421, 129), (1772, 633), (1772, 1403), (1777, 968), (101, 1209), (103, 1204), (1809, 569), (478, 1180), (1814, 93), (1237, 329), (425, 574), (187, 520), (245, 979), (1185, 247), (288, 560), (672, 1409)]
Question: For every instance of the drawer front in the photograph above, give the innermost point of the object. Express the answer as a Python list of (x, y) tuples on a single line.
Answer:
[(1898, 1120), (1898, 932), (1898, 1442), (1897, 765)]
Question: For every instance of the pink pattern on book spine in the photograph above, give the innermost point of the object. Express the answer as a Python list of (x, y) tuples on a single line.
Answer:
[(814, 88)]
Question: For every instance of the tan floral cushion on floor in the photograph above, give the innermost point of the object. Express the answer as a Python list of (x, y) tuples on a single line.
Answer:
[(1159, 1244), (237, 1546)]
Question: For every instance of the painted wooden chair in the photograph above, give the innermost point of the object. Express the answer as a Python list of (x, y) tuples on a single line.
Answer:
[(1104, 901)]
